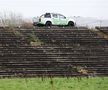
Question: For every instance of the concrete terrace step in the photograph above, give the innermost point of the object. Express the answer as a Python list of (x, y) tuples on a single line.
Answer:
[(63, 46), (103, 29)]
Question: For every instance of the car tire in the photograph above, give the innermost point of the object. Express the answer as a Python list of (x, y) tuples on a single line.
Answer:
[(34, 24), (70, 23), (48, 24)]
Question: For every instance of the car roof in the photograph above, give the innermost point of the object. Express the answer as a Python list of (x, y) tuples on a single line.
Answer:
[(54, 13)]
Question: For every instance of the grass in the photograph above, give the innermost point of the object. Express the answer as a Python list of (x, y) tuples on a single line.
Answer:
[(58, 84), (33, 40)]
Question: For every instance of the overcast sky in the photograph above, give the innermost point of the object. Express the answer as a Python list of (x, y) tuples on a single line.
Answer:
[(31, 8)]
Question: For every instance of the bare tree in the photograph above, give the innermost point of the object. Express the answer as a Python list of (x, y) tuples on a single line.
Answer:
[(10, 19)]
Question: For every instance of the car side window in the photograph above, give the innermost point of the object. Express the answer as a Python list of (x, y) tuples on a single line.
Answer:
[(47, 15), (55, 15), (62, 17)]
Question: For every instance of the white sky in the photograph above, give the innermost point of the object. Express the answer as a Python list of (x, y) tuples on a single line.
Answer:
[(31, 8)]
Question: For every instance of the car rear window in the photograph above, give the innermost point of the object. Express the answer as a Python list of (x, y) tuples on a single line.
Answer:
[(47, 15)]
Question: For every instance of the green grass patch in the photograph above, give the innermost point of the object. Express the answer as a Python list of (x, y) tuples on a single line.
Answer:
[(33, 40), (96, 83)]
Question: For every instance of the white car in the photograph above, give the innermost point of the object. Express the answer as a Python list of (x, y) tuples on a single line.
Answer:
[(49, 19)]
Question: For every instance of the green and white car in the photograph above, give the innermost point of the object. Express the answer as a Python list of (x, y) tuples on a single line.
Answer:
[(49, 19)]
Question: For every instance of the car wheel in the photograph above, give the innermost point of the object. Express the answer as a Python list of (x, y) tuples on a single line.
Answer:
[(70, 23), (48, 24), (34, 24)]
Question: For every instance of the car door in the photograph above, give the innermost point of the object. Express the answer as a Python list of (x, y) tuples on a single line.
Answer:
[(62, 20), (55, 19)]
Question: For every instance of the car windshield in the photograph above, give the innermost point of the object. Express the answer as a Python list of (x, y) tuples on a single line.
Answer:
[(62, 17)]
